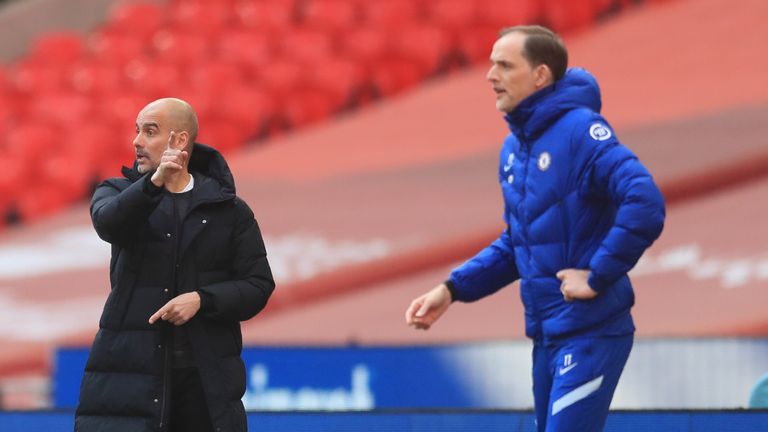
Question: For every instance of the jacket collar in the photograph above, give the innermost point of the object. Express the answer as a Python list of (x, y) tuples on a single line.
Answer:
[(213, 178), (577, 89)]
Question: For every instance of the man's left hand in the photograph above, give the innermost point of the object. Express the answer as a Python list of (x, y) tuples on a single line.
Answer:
[(574, 285), (179, 310)]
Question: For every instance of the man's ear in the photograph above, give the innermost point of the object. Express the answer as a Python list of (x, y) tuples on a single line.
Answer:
[(543, 76), (182, 140)]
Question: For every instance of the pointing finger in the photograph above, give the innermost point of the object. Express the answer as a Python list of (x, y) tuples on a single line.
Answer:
[(157, 315), (171, 140)]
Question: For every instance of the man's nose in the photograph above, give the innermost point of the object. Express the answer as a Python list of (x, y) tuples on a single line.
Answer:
[(490, 76)]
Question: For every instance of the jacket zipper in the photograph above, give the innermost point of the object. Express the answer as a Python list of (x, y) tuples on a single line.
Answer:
[(526, 149), (164, 396), (166, 329)]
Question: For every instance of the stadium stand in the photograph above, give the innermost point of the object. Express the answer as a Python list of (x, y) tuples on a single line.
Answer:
[(154, 49), (362, 211)]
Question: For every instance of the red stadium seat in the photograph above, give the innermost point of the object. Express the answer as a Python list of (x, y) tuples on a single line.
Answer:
[(341, 79), (221, 135), (312, 106), (329, 15), (123, 106), (66, 109), (31, 142), (394, 76), (94, 143), (306, 46), (265, 15), (138, 19), (215, 74), (567, 15), (95, 78), (100, 148), (12, 177), (249, 48), (280, 77), (154, 78), (452, 15), (6, 112), (116, 48), (504, 13), (31, 78), (41, 200), (298, 102), (475, 43), (70, 173), (364, 45), (181, 47), (247, 108), (429, 47), (13, 184), (200, 17), (57, 48), (391, 14)]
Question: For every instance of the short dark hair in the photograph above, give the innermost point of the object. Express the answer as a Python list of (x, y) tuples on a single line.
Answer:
[(542, 46)]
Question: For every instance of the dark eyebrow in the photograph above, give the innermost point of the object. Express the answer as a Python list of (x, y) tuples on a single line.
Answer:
[(148, 125)]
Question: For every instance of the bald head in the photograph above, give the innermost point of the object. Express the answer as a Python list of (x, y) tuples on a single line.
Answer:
[(163, 124), (180, 115)]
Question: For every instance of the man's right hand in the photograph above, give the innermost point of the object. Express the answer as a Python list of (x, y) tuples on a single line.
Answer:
[(171, 163), (426, 309)]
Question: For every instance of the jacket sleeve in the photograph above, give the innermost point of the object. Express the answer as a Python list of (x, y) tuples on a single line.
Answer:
[(246, 294), (118, 214), (490, 270), (616, 174)]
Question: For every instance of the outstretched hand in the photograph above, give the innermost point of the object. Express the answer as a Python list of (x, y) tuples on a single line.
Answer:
[(426, 309)]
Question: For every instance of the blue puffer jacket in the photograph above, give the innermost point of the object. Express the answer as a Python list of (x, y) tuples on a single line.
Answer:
[(574, 198)]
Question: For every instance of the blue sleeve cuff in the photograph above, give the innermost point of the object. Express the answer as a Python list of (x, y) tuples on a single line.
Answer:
[(597, 283), (451, 289)]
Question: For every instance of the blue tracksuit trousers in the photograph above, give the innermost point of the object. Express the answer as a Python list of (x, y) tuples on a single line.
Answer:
[(574, 380)]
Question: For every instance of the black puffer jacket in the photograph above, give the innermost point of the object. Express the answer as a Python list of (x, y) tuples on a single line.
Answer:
[(217, 250)]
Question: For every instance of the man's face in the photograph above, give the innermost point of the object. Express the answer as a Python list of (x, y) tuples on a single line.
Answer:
[(151, 140), (511, 75)]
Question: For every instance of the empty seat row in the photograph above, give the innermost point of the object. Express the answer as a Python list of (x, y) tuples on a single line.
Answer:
[(250, 67)]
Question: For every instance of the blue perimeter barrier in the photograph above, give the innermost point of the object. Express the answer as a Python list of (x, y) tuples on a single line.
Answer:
[(435, 421)]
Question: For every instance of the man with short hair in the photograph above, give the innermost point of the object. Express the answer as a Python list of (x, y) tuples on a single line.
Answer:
[(188, 264), (580, 210)]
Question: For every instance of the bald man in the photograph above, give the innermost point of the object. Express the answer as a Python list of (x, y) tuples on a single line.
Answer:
[(188, 264)]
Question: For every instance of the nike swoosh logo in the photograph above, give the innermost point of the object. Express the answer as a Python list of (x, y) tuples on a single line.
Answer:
[(565, 370)]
